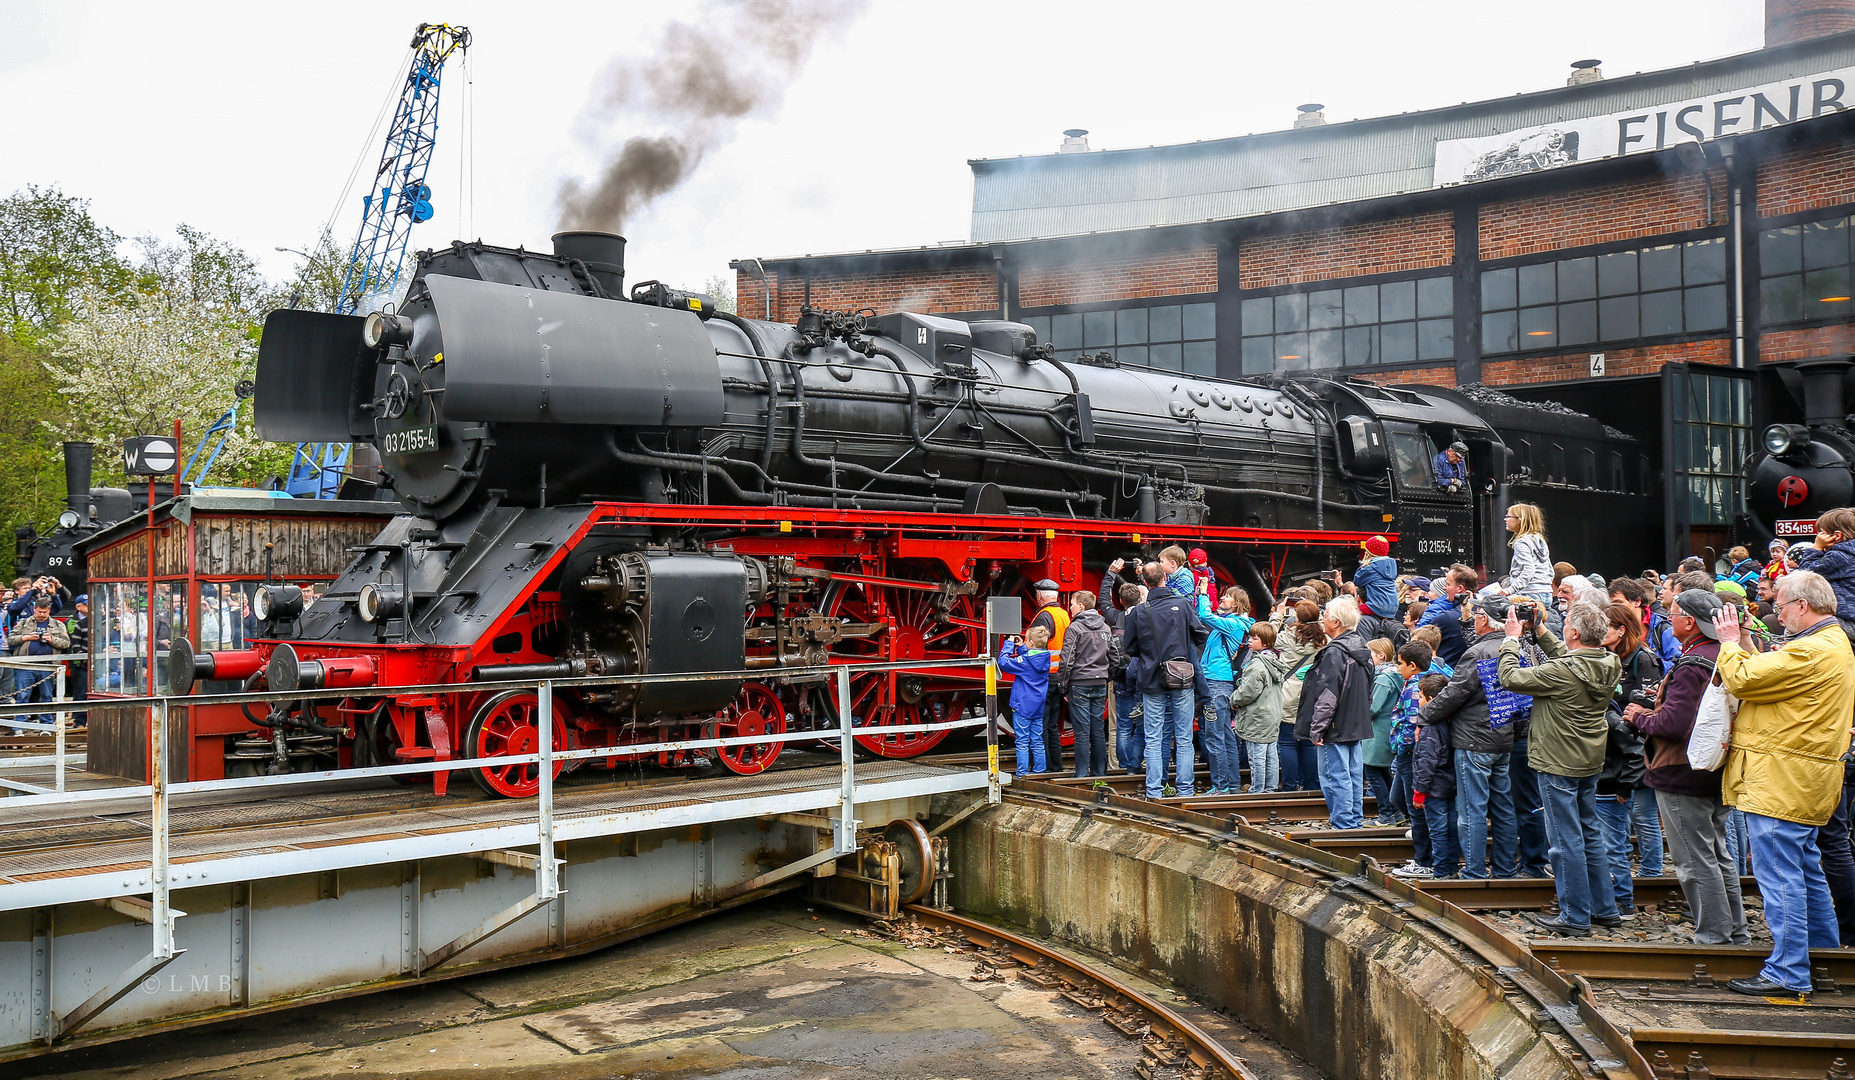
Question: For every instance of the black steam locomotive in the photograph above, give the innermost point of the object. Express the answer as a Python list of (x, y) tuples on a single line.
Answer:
[(1802, 467), (87, 509), (603, 483)]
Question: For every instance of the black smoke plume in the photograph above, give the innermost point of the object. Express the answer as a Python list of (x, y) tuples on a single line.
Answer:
[(732, 59)]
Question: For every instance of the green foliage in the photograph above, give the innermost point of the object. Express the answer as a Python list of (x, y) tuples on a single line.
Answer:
[(50, 250), (316, 285), (31, 461)]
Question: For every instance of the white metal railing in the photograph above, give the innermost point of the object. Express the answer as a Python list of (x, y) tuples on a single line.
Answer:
[(56, 668), (547, 882)]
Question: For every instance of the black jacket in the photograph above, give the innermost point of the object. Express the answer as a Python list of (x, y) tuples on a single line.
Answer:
[(1106, 598), (1433, 764), (1455, 636), (1164, 628), (1336, 696), (1623, 764)]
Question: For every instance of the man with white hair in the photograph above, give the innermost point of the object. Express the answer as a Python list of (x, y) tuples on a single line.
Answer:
[(1570, 731), (1335, 712), (1784, 768)]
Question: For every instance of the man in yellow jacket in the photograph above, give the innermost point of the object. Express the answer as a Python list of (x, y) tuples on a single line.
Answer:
[(1785, 768)]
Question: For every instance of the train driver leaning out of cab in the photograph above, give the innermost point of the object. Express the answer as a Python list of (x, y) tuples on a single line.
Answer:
[(1452, 469)]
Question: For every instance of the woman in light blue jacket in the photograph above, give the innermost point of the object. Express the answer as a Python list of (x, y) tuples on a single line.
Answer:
[(1230, 628)]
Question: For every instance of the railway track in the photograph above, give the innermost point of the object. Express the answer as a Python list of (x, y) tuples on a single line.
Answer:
[(1167, 1039), (1648, 1011)]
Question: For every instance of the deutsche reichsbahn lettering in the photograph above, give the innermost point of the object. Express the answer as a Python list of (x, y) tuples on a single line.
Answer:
[(411, 441)]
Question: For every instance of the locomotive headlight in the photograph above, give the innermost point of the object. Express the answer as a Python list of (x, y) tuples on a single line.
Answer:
[(1781, 439), (380, 601), (68, 520), (277, 603), (383, 328)]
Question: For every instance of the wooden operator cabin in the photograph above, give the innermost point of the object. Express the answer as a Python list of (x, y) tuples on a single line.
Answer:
[(211, 552)]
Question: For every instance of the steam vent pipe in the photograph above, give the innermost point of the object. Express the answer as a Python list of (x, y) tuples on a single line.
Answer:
[(602, 252)]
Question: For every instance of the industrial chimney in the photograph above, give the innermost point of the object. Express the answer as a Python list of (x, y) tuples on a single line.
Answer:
[(1585, 71), (1799, 20), (1310, 115), (1073, 141)]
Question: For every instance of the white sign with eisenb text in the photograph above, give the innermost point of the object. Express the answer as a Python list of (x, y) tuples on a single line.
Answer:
[(1643, 130)]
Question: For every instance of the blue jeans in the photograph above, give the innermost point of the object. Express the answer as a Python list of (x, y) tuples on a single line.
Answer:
[(1027, 736), (1220, 743), (1439, 814), (1580, 869), (1298, 762), (1483, 791), (1086, 705), (1738, 842), (1265, 766), (1797, 904), (1614, 816), (1401, 766), (1342, 783), (1378, 783), (1529, 815), (29, 686), (1129, 739), (1169, 710), (1648, 821)]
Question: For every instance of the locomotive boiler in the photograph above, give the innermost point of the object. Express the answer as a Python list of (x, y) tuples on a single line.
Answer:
[(1802, 469), (598, 482)]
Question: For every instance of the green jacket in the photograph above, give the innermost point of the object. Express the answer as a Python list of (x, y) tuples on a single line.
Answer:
[(1256, 704), (1571, 692)]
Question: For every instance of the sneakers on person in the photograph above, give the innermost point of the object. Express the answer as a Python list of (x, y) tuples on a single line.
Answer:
[(1407, 835), (1413, 869), (1760, 986), (1168, 791), (1555, 925)]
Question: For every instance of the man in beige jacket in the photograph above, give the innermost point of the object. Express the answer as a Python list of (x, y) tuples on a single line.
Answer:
[(1785, 768)]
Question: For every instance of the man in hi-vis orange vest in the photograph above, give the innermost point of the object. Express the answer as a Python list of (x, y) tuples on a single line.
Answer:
[(1052, 614)]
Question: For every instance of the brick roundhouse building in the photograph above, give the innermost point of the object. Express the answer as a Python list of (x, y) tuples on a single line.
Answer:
[(1636, 247)]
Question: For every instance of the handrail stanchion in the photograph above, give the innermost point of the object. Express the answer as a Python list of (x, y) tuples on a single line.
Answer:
[(158, 832), (847, 750), (61, 719), (994, 793), (547, 881)]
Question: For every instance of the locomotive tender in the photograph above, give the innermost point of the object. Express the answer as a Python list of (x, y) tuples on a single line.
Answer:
[(597, 484)]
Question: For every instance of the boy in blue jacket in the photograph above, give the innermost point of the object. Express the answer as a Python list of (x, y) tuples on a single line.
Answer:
[(1028, 664), (1377, 578)]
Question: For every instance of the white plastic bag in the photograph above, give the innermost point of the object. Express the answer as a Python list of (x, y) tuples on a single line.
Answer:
[(1713, 727)]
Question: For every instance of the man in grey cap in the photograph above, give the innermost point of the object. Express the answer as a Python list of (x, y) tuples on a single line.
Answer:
[(1693, 816), (1452, 471), (1051, 614)]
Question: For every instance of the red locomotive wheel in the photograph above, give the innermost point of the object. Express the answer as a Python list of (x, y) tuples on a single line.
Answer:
[(917, 631), (503, 726), (757, 711)]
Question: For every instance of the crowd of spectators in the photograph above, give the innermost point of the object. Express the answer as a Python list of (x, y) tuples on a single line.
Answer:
[(40, 619), (1539, 725)]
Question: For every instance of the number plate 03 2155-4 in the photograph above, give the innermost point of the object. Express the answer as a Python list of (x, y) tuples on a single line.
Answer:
[(419, 440)]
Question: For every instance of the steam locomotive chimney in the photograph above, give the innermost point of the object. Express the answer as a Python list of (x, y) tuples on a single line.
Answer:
[(602, 252), (1825, 390), (77, 460)]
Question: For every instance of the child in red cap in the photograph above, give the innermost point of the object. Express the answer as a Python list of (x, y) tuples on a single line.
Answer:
[(1377, 578), (1204, 581)]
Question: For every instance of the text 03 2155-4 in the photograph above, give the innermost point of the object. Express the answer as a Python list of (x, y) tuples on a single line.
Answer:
[(419, 440)]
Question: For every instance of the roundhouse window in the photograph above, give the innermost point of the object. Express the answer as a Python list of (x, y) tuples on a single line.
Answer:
[(1170, 336), (1661, 291), (1804, 271), (1393, 322)]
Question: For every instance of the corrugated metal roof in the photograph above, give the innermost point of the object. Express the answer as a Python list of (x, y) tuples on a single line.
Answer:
[(1072, 194)]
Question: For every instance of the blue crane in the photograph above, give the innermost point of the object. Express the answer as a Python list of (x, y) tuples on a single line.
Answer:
[(398, 199)]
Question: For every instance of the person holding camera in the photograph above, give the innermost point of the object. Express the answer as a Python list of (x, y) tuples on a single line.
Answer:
[(1688, 799), (1784, 768), (1483, 750), (1569, 732), (1164, 635), (37, 635)]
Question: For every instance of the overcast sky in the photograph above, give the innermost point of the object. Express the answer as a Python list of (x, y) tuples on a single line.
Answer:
[(245, 119)]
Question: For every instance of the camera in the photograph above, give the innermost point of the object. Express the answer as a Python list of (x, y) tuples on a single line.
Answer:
[(1643, 698)]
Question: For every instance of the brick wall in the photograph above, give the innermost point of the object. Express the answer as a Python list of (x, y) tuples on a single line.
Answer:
[(1806, 179), (1169, 273), (1779, 345), (927, 291), (1378, 247), (1640, 361), (1432, 376), (1595, 215), (1796, 20)]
